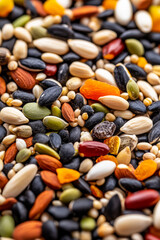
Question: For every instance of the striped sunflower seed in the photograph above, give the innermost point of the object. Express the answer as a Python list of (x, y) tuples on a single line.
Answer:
[(22, 34), (84, 48), (114, 102), (105, 76), (51, 58), (13, 116), (81, 70), (20, 49), (51, 45), (147, 90), (104, 36), (137, 125)]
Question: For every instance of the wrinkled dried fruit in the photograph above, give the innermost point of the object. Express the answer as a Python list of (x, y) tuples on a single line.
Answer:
[(103, 130), (96, 191), (66, 175), (145, 169)]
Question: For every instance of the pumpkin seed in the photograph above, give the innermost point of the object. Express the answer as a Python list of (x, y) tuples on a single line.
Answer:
[(38, 32), (69, 195), (132, 89), (23, 155), (44, 149), (87, 224), (134, 46), (54, 123), (56, 111), (7, 226), (21, 21), (35, 112), (97, 107)]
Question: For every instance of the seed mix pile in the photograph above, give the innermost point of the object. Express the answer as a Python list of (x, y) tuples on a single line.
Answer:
[(80, 120)]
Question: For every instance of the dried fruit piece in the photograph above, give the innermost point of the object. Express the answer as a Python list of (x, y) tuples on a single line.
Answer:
[(53, 7), (6, 7), (107, 157), (92, 149), (103, 130), (113, 143), (96, 191), (66, 175), (145, 169), (84, 11), (113, 49), (107, 4), (93, 89)]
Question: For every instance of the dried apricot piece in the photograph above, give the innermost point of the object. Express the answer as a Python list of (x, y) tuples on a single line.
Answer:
[(141, 62), (53, 7), (66, 175), (113, 144), (96, 191), (107, 157), (93, 89), (6, 7), (145, 169), (109, 4)]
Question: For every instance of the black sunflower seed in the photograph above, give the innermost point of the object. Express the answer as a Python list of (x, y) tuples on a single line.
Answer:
[(105, 14), (16, 13), (153, 183), (81, 36), (136, 71), (61, 31), (155, 117), (9, 43), (130, 185), (109, 184), (37, 186), (59, 212), (77, 102), (119, 122), (66, 152), (74, 164), (63, 72), (113, 208), (81, 28), (113, 26), (120, 58), (134, 33), (121, 76), (146, 44), (49, 82), (37, 127), (33, 52), (2, 105), (152, 57), (3, 132), (32, 64), (137, 107), (25, 97), (75, 134), (68, 225), (55, 140), (154, 37), (49, 96), (154, 107), (49, 230), (94, 119), (40, 138), (71, 57), (154, 133), (82, 205), (82, 185), (20, 212)]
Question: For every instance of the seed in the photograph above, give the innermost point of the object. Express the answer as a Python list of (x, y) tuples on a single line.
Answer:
[(114, 102), (73, 83), (105, 76), (148, 156), (144, 146), (32, 64), (34, 111), (153, 79), (154, 134), (87, 223), (86, 165), (12, 116), (124, 156), (20, 144), (100, 170), (7, 226), (81, 70), (134, 46), (51, 45), (123, 16), (21, 21), (69, 195), (19, 181), (12, 65), (44, 149), (136, 71), (20, 49), (37, 91), (38, 32), (103, 36), (143, 21), (156, 211), (97, 107), (124, 114), (137, 125), (4, 56), (23, 155), (9, 139), (130, 185), (7, 31), (22, 34), (92, 149), (51, 58), (49, 96), (54, 123), (132, 89)]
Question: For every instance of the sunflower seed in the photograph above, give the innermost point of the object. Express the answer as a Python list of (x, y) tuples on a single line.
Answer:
[(147, 90), (114, 102), (22, 34), (13, 116), (81, 70), (32, 64), (20, 49), (51, 58), (105, 76), (104, 36)]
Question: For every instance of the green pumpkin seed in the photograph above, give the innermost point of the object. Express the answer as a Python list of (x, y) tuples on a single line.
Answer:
[(134, 47), (97, 107), (35, 112), (87, 224), (69, 195), (21, 21), (67, 186), (132, 89), (38, 32), (56, 111), (54, 123), (44, 149), (23, 155), (6, 226)]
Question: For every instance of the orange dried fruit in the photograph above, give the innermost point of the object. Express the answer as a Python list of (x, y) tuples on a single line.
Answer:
[(6, 7), (113, 144), (145, 169), (109, 4), (93, 89), (53, 7), (141, 62), (155, 15), (107, 157), (96, 191), (2, 86), (66, 175)]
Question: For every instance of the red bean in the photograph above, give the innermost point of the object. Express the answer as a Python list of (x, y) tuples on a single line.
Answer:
[(149, 236), (93, 149), (112, 49), (50, 70)]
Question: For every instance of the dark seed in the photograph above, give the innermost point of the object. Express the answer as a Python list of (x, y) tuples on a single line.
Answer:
[(75, 134), (50, 70), (134, 33), (3, 132), (33, 52), (153, 183), (31, 160), (71, 57), (120, 58), (49, 96), (130, 185), (94, 119), (154, 107), (32, 64), (113, 26), (137, 107), (74, 164), (103, 130), (7, 167), (20, 212), (154, 37), (29, 198), (134, 163), (69, 225), (9, 43), (93, 2), (109, 184), (155, 117), (66, 20), (136, 71), (154, 133), (82, 185), (131, 25), (37, 186), (66, 152), (143, 137), (61, 31), (87, 109), (49, 230), (146, 44), (48, 83), (152, 57), (37, 127), (40, 138), (63, 73), (106, 14), (25, 97), (16, 12), (55, 141), (3, 21), (78, 35), (64, 134), (82, 205), (139, 154), (125, 212), (113, 208), (2, 105), (89, 63), (121, 76), (59, 212), (77, 102), (119, 122), (81, 28)]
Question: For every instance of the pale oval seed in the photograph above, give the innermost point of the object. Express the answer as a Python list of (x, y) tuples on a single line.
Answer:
[(104, 36), (103, 75), (144, 146), (51, 58), (20, 49), (22, 34), (147, 90), (7, 31), (153, 78), (114, 102), (13, 116), (156, 214), (143, 21), (123, 12), (81, 70), (124, 114)]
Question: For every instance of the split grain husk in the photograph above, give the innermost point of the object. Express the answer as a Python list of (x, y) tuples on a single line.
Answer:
[(137, 125), (81, 70), (114, 102), (12, 115), (147, 90)]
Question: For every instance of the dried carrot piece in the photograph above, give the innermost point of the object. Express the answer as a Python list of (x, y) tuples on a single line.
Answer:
[(53, 7), (66, 175), (113, 144), (93, 89), (107, 157), (145, 169), (96, 191)]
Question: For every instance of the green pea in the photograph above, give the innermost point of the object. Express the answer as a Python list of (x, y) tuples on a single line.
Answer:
[(7, 225), (87, 224)]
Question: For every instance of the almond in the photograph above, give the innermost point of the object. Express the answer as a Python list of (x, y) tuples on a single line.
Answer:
[(68, 112), (141, 4), (2, 86), (84, 11), (10, 153), (23, 79), (7, 205), (29, 141), (3, 180), (50, 179), (124, 171), (28, 230), (41, 203), (48, 163)]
